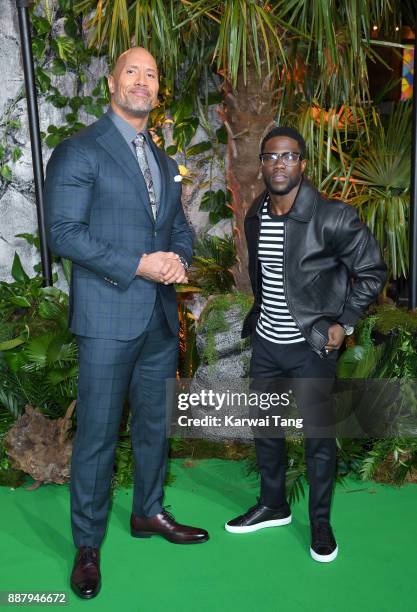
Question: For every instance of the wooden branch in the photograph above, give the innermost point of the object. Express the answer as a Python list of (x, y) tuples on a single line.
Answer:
[(232, 144)]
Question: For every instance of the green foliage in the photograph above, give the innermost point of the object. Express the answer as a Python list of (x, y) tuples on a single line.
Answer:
[(6, 173), (220, 304), (350, 455), (394, 319), (57, 56), (381, 174), (393, 460), (196, 149), (360, 360), (124, 463), (38, 357), (231, 33), (8, 476), (33, 240), (356, 155), (221, 135), (396, 357), (18, 272), (216, 203), (317, 54), (213, 259), (9, 152), (184, 132), (123, 476), (152, 25), (215, 324), (56, 134), (9, 404), (38, 362), (330, 42), (333, 40)]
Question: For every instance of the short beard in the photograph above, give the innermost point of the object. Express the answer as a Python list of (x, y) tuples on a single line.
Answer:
[(139, 113), (283, 190)]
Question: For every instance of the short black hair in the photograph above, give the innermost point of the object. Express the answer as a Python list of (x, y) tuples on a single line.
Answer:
[(285, 131)]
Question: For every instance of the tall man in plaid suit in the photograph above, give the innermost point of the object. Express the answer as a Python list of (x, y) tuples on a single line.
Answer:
[(113, 204)]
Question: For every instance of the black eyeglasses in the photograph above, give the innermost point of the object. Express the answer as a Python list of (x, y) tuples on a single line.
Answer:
[(290, 158)]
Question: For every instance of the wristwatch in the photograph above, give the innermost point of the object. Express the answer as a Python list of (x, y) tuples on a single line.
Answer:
[(184, 262), (349, 329)]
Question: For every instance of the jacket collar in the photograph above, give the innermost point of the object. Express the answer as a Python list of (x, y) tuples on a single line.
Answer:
[(304, 204), (111, 139)]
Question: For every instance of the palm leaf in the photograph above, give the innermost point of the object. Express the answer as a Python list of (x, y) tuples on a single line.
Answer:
[(336, 44), (213, 259), (381, 172), (10, 402)]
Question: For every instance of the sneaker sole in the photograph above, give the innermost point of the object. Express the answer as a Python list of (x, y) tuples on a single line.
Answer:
[(263, 525), (324, 558)]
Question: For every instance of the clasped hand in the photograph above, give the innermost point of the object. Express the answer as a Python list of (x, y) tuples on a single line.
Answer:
[(162, 267)]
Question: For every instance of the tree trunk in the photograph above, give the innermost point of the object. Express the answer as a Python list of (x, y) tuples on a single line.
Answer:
[(248, 114)]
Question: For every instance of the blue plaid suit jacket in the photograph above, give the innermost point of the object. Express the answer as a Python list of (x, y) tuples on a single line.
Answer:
[(98, 215)]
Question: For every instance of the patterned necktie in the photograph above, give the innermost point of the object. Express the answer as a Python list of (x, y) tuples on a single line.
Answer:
[(139, 143)]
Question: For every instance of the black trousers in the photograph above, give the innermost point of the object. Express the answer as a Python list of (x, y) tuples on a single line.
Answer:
[(312, 379)]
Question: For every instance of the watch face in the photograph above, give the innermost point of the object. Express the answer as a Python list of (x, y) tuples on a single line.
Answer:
[(348, 330)]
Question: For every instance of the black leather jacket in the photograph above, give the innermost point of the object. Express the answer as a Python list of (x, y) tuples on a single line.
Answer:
[(333, 268)]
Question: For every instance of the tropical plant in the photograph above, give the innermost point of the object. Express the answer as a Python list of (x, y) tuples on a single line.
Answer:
[(334, 50), (38, 354), (270, 56), (300, 62), (393, 460), (380, 183), (384, 352), (8, 476), (59, 53), (215, 203), (213, 260), (395, 353), (124, 462)]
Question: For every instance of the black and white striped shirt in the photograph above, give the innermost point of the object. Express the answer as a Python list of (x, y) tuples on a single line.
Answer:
[(275, 322)]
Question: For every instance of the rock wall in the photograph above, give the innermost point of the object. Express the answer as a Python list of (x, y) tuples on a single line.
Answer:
[(17, 197), (17, 209)]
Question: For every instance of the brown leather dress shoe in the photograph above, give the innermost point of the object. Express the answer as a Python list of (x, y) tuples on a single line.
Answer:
[(85, 577), (165, 525)]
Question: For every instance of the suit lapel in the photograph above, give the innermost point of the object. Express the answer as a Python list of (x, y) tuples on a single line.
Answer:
[(115, 145)]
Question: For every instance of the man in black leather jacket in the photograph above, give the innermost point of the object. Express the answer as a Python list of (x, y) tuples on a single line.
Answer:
[(314, 269)]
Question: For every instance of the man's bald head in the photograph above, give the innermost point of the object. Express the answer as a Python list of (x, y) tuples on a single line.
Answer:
[(133, 83), (132, 54)]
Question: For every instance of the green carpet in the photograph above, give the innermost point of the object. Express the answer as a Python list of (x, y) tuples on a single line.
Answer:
[(268, 571)]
